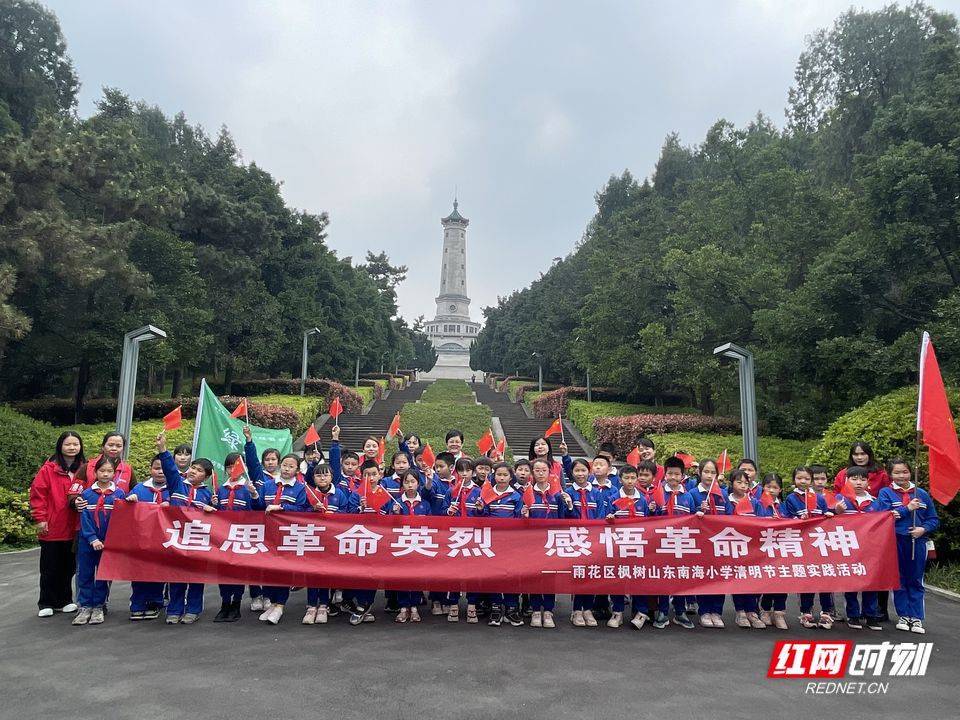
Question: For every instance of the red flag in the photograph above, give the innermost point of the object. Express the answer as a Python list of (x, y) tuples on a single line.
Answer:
[(374, 498), (935, 421), (810, 501), (213, 481), (633, 457), (628, 504), (428, 457), (744, 506), (502, 448), (487, 493), (766, 499), (555, 427), (381, 451), (723, 463), (485, 442), (312, 436), (830, 497), (335, 408), (659, 498), (237, 469), (555, 485), (850, 494), (528, 498), (394, 426), (172, 420), (241, 410), (688, 460), (715, 494)]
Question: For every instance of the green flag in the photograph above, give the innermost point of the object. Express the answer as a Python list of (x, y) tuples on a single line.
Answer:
[(217, 434)]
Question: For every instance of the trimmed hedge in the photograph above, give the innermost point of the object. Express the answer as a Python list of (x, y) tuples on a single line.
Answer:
[(24, 444), (16, 525), (623, 432), (322, 387), (143, 440), (367, 394), (553, 403), (307, 408), (518, 389), (777, 455), (888, 422)]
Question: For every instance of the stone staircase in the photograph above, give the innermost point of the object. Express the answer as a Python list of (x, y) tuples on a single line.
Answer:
[(520, 429)]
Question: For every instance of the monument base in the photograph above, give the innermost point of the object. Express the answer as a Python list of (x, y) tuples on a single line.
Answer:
[(451, 366)]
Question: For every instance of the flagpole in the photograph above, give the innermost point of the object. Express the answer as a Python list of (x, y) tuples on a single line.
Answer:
[(562, 438), (246, 409), (924, 343), (196, 427)]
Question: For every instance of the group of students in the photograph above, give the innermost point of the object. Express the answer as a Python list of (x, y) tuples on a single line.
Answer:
[(71, 499)]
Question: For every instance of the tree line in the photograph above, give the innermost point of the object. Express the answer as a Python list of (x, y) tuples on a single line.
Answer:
[(825, 247), (130, 217)]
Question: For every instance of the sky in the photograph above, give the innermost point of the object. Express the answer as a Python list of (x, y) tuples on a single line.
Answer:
[(378, 113)]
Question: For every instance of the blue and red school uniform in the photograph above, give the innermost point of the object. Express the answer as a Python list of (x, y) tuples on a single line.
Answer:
[(708, 604), (291, 496), (773, 601), (545, 506), (332, 501), (745, 602), (588, 504), (419, 505), (94, 521), (675, 504), (234, 496), (795, 506), (635, 507), (148, 595), (911, 553), (507, 504), (864, 605)]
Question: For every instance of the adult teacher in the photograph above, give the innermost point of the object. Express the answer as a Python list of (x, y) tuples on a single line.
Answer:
[(57, 523)]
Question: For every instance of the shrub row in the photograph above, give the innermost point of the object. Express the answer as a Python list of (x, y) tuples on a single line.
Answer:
[(554, 403), (623, 432), (24, 444), (16, 525), (320, 387), (582, 413)]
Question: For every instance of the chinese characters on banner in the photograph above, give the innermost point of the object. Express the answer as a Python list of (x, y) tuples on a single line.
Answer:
[(689, 555)]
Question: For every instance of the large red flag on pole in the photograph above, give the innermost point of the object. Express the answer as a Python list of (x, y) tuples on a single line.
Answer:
[(935, 422)]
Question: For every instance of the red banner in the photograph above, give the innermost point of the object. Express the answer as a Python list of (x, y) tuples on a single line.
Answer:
[(649, 556)]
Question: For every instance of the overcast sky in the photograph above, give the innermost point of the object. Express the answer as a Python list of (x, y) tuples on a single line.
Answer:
[(375, 112)]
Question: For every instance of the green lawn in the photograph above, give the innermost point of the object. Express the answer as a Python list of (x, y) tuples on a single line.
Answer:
[(776, 454), (582, 413), (143, 436), (946, 575)]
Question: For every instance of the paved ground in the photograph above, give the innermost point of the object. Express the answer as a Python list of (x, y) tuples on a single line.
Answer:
[(49, 669)]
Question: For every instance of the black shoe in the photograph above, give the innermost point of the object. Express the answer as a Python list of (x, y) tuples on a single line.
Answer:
[(224, 614), (484, 609), (333, 610), (513, 617), (234, 611), (391, 609), (874, 623), (496, 616), (601, 613)]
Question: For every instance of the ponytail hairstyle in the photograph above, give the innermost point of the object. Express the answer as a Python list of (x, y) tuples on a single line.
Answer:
[(59, 458)]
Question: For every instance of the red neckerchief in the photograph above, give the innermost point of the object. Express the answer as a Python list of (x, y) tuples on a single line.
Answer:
[(157, 494), (583, 503), (99, 507), (279, 494), (411, 505), (671, 503), (231, 493), (905, 496), (191, 495)]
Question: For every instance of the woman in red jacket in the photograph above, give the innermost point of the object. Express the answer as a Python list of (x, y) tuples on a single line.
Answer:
[(112, 447), (861, 455), (57, 523)]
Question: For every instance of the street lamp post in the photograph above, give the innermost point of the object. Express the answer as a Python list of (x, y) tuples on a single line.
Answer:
[(303, 365), (748, 396), (589, 391), (128, 377), (356, 373), (539, 371)]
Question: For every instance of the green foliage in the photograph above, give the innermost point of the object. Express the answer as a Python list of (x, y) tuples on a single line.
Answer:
[(308, 408), (945, 575), (582, 413), (364, 392), (143, 441), (777, 455), (445, 405), (24, 444), (823, 248), (454, 392), (16, 526)]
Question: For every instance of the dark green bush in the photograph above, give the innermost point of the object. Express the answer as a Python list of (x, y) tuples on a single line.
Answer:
[(16, 525), (24, 444)]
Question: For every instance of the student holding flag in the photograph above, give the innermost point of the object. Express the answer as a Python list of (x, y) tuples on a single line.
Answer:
[(628, 503), (412, 503), (671, 499), (588, 504), (499, 499), (711, 499), (373, 499), (326, 498), (861, 608), (146, 598), (739, 502), (463, 502), (773, 605)]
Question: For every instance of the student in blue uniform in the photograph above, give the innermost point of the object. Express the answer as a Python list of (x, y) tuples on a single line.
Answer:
[(100, 498), (916, 518), (463, 503), (861, 610), (628, 503), (588, 504), (371, 476), (795, 506), (283, 494), (709, 607), (240, 495), (676, 502), (325, 498), (186, 599), (544, 505), (507, 504), (773, 606), (412, 502), (146, 598), (442, 483), (345, 465), (740, 501)]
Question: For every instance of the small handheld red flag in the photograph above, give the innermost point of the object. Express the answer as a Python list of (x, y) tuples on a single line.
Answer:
[(659, 498), (715, 495), (528, 498), (485, 442), (766, 499), (335, 408), (312, 437), (241, 409), (628, 504), (723, 463), (487, 493), (428, 457), (555, 485), (213, 482), (172, 420), (381, 451), (501, 448), (810, 501), (935, 421), (555, 427), (744, 506), (237, 469), (394, 426), (688, 460), (830, 497), (633, 457), (374, 498)]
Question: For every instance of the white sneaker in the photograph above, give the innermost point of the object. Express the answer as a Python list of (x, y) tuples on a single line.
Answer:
[(616, 620), (83, 617), (274, 614), (589, 619), (903, 624), (264, 616), (717, 620), (48, 612), (549, 623), (536, 620), (96, 617), (916, 626), (576, 617), (436, 609), (69, 608), (639, 620), (310, 616), (322, 614), (706, 620), (256, 605)]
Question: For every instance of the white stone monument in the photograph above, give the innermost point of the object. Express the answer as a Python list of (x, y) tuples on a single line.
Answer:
[(452, 332)]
